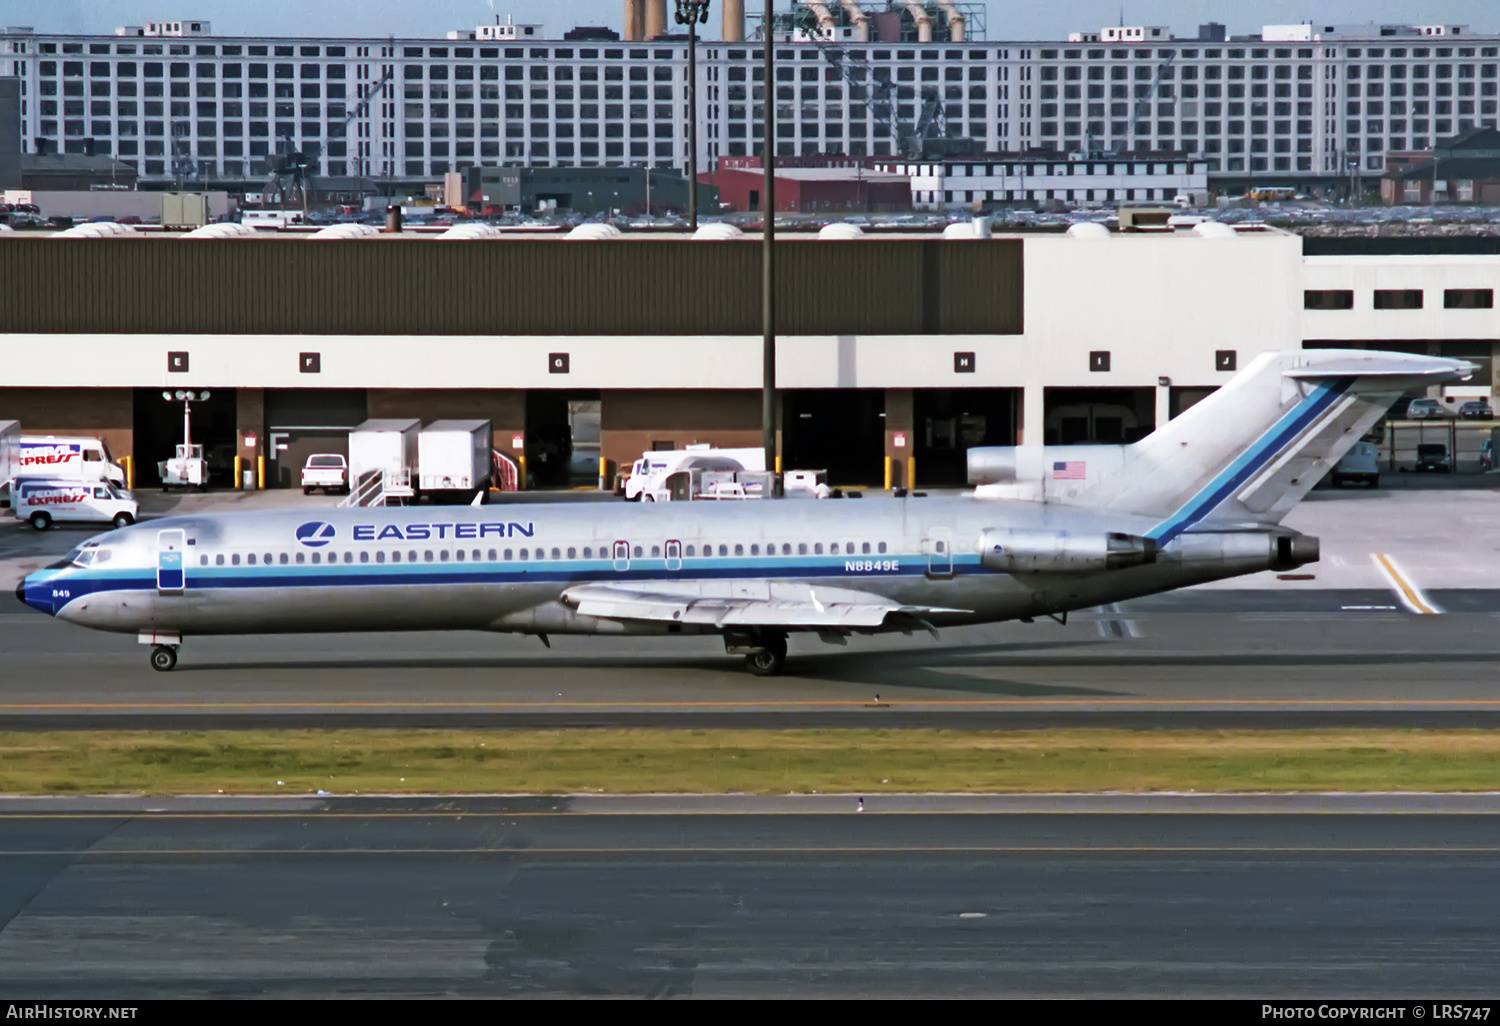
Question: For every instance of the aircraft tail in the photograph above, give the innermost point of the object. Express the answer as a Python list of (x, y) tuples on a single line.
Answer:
[(1248, 453)]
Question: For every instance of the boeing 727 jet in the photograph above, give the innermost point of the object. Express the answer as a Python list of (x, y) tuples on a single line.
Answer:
[(1051, 529)]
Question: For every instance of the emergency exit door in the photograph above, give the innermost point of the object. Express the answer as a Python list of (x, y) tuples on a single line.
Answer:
[(938, 546), (171, 562)]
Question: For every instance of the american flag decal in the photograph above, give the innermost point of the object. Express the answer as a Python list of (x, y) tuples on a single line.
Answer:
[(1069, 470)]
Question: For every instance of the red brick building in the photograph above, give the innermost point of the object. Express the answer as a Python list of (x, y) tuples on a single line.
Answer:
[(812, 189)]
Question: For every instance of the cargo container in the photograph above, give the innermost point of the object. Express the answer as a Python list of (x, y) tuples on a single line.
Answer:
[(453, 460), (388, 448)]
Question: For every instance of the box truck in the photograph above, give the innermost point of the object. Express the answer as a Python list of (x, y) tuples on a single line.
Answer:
[(387, 447), (453, 460), (10, 457)]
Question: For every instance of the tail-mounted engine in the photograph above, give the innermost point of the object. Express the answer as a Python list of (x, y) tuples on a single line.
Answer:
[(1039, 552)]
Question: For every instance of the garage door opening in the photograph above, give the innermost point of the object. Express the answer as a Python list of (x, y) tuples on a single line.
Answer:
[(840, 430), (948, 422), (301, 422), (1098, 416), (562, 438), (158, 433)]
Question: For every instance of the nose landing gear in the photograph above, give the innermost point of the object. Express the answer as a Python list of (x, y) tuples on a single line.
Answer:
[(163, 657)]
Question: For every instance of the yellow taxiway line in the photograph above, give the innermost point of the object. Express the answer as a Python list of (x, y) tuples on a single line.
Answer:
[(1405, 588)]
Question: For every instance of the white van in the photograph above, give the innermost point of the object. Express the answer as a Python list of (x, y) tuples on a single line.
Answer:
[(1361, 463), (74, 457), (42, 501)]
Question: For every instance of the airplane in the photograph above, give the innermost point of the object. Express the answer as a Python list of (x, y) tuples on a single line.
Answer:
[(1049, 530)]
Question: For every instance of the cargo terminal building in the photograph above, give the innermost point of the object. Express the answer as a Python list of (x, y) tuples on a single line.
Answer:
[(910, 350)]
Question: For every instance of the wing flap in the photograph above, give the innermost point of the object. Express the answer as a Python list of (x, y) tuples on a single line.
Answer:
[(784, 605)]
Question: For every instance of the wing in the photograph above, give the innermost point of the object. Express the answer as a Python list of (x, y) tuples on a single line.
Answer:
[(745, 604)]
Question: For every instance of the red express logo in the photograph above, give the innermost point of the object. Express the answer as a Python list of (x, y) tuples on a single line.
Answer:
[(49, 455), (56, 498)]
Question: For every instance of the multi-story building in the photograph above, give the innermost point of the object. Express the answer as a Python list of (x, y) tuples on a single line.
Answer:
[(1302, 104)]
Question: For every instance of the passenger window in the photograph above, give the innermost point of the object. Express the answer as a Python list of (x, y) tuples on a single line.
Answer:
[(541, 553), (638, 552), (459, 555), (317, 557), (755, 550), (802, 548), (301, 558), (882, 547), (865, 548), (250, 558), (786, 548), (691, 551), (525, 553), (267, 559), (818, 549), (655, 551), (427, 555), (411, 557), (219, 560), (739, 550), (443, 556), (508, 554), (556, 554), (588, 552), (396, 556), (723, 550), (348, 557), (380, 556), (492, 555), (364, 557), (203, 561), (283, 559)]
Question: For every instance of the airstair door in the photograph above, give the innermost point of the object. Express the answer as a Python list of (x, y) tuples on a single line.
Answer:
[(938, 545), (171, 562)]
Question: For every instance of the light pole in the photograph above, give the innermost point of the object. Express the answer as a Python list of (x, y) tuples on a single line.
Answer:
[(768, 240), (691, 13)]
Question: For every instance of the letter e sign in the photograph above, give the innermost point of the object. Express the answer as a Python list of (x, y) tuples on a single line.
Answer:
[(177, 363)]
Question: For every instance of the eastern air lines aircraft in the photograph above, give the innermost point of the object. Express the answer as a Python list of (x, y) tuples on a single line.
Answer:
[(1050, 530)]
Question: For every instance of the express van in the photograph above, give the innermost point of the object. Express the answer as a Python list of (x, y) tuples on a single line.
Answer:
[(41, 502), (77, 458)]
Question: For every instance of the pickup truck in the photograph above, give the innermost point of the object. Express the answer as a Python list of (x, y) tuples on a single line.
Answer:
[(328, 471)]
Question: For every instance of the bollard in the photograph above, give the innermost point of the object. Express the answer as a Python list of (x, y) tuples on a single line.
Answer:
[(603, 473), (911, 472), (238, 476), (887, 473), (260, 473)]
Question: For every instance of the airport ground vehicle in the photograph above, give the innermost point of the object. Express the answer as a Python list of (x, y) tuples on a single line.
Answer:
[(186, 469), (326, 470), (1361, 463), (1433, 457), (454, 460), (1059, 529), (649, 475), (1425, 409), (42, 501), (68, 456), (1476, 409)]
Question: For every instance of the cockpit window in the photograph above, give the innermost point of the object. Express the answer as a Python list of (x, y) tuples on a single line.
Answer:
[(82, 556)]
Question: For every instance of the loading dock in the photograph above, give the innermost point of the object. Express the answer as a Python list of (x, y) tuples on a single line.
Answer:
[(841, 430)]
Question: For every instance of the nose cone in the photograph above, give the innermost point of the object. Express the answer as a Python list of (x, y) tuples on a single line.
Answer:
[(35, 595)]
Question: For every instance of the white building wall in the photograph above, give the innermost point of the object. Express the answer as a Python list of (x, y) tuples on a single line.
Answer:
[(1431, 274)]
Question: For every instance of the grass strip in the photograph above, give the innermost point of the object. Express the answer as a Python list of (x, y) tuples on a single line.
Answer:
[(747, 761)]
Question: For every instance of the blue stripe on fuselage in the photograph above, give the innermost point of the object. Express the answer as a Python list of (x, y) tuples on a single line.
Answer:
[(1252, 460)]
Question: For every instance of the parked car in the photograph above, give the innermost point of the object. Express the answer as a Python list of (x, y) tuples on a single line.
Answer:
[(1476, 409), (325, 470), (1434, 457), (1361, 463), (1425, 409)]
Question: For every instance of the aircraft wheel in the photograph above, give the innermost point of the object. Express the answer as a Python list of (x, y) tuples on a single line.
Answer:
[(163, 658), (769, 661), (41, 520)]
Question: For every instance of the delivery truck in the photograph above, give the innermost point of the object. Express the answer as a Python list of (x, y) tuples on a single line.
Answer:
[(387, 447), (648, 480), (65, 456), (453, 460), (44, 501)]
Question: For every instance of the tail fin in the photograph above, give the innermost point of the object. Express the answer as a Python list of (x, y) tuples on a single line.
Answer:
[(1253, 449)]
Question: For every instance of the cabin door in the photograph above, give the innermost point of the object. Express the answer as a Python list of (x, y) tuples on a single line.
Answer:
[(171, 562), (938, 545)]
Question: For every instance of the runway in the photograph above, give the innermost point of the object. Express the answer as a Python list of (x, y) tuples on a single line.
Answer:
[(667, 897), (1212, 660)]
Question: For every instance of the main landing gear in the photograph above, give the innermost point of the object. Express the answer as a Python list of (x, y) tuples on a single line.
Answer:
[(163, 657), (765, 655)]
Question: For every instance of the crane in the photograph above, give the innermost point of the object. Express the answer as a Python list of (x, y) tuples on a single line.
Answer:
[(1143, 103), (293, 169)]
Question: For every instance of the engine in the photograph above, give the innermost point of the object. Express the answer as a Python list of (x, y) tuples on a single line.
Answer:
[(1022, 551)]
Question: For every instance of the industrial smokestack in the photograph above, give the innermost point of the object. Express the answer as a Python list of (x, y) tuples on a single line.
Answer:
[(734, 21), (955, 20), (857, 18), (921, 19), (820, 10), (635, 20), (656, 19)]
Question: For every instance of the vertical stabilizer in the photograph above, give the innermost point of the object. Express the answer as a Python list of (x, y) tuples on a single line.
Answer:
[(1253, 449)]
